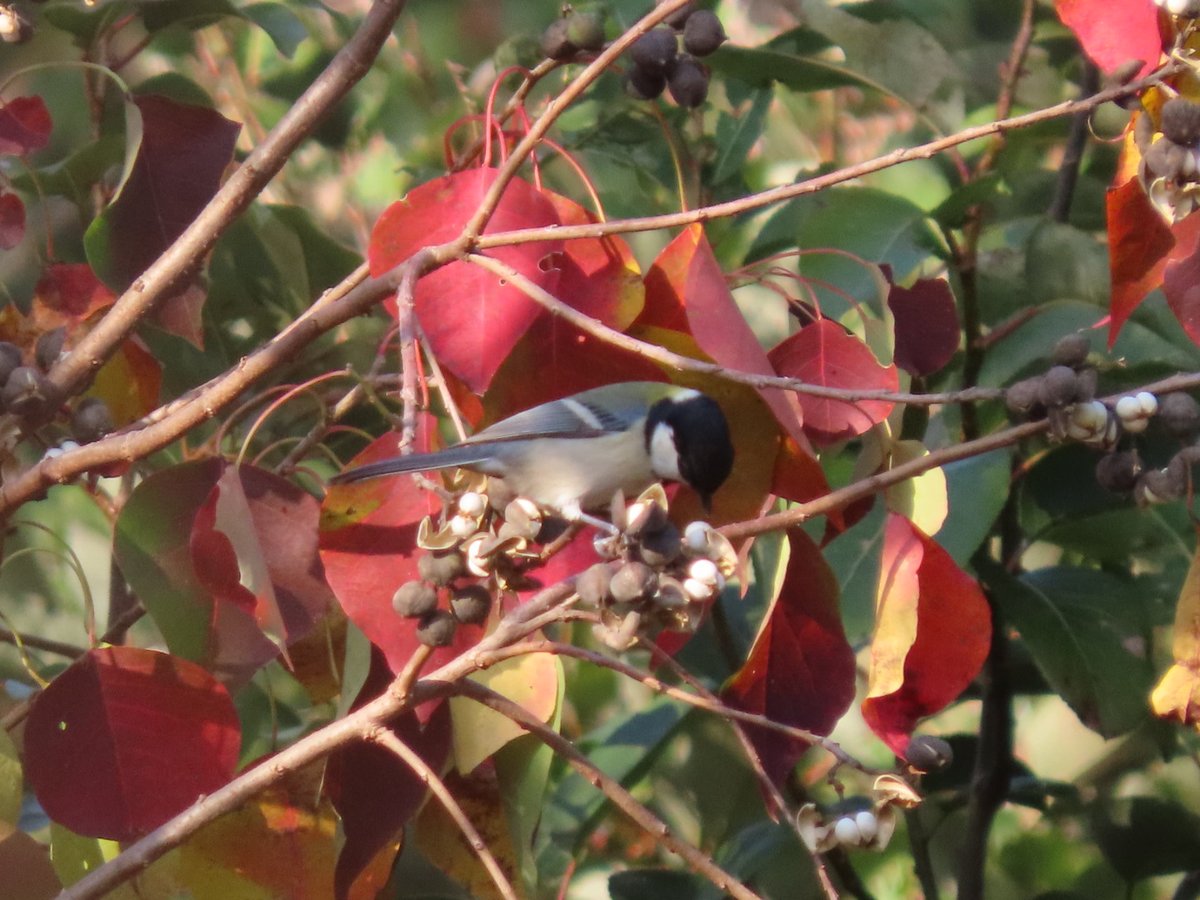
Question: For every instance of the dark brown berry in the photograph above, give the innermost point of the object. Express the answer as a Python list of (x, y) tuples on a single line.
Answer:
[(414, 599), (441, 567), (471, 604), (1167, 158), (592, 584), (1160, 485), (437, 629), (1179, 121), (1180, 415), (702, 33), (679, 18), (91, 420), (661, 548), (554, 43), (655, 50), (49, 347), (585, 30), (927, 753), (1118, 472), (1071, 350), (10, 358), (27, 392), (1024, 397), (633, 581), (642, 84), (1060, 386), (688, 83)]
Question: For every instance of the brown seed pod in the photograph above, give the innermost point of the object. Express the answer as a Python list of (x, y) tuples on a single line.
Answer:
[(1180, 415), (1023, 397), (927, 753), (1071, 350), (414, 599), (91, 420), (1159, 486), (661, 548), (27, 392), (1118, 472), (633, 581), (585, 30), (48, 347), (554, 42), (441, 567), (592, 585), (1179, 121), (10, 359), (471, 604), (437, 629), (1060, 387)]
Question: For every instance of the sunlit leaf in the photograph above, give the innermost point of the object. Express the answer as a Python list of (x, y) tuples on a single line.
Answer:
[(932, 633), (1177, 695), (1138, 244), (1113, 32), (125, 739), (472, 319)]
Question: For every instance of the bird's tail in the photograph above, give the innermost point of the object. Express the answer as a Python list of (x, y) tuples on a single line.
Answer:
[(452, 457)]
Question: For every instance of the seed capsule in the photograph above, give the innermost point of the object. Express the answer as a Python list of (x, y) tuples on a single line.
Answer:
[(471, 604), (437, 629), (414, 599)]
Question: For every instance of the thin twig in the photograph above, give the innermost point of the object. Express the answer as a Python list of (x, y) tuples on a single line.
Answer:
[(387, 738), (625, 801)]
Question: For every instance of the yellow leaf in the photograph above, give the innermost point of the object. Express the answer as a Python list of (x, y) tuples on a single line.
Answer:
[(1177, 695), (922, 499)]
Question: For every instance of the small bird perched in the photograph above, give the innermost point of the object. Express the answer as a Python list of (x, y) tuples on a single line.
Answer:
[(573, 454)]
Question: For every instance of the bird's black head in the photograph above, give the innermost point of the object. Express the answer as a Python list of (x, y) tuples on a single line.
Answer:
[(699, 452)]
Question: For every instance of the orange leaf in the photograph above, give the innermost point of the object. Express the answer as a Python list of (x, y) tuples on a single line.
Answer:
[(1138, 243)]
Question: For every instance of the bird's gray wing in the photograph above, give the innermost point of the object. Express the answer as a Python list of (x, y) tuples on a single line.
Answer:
[(579, 416)]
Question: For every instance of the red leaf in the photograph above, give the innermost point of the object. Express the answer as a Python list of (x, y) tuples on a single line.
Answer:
[(125, 739), (1112, 32), (178, 167), (932, 633), (369, 548), (686, 292), (1138, 243), (69, 293), (24, 126), (373, 791), (823, 353), (154, 549), (926, 326), (1179, 276), (800, 671), (12, 221), (471, 318)]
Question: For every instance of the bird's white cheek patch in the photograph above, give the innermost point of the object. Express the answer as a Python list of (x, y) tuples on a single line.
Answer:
[(664, 458)]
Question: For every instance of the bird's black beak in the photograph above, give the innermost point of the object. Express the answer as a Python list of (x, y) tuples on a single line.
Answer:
[(706, 500)]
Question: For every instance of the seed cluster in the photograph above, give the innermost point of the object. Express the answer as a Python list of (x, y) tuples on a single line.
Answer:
[(857, 822), (1065, 394), (654, 578), (659, 64), (1170, 165)]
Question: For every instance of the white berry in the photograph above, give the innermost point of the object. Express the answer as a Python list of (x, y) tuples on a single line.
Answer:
[(695, 536), (847, 832), (868, 825), (472, 504)]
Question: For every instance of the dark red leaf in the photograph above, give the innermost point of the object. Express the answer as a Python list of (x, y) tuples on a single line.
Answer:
[(24, 126), (1179, 277), (374, 792), (1113, 32), (800, 671), (472, 319), (926, 325), (72, 293), (823, 353), (686, 292), (178, 167), (1138, 244), (125, 739), (932, 633), (369, 548), (12, 220)]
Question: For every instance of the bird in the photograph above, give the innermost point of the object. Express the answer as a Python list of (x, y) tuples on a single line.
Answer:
[(573, 454)]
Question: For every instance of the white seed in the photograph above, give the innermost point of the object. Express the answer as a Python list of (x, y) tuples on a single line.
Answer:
[(68, 446), (695, 536), (477, 564), (472, 504), (1129, 408), (847, 832), (704, 570), (1148, 402), (1136, 426), (461, 526), (868, 825), (52, 453), (698, 590)]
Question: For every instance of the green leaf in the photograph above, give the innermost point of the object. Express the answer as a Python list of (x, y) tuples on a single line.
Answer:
[(764, 66), (12, 786), (285, 29), (976, 491), (1147, 836), (161, 14), (1062, 262), (737, 134), (854, 558), (1084, 630), (653, 884)]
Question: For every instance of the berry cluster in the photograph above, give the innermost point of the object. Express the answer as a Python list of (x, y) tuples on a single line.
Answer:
[(1170, 166), (27, 393), (654, 578), (658, 64), (1123, 472), (1065, 394)]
